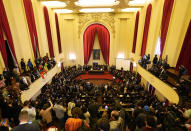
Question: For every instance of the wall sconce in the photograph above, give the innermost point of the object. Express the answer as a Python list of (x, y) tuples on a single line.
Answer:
[(134, 64), (120, 56), (72, 56), (59, 64)]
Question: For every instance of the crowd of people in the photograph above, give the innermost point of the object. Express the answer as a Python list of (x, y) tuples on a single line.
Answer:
[(28, 73), (76, 105), (158, 68)]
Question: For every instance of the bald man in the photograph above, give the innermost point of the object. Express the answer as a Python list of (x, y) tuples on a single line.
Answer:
[(23, 125), (116, 122)]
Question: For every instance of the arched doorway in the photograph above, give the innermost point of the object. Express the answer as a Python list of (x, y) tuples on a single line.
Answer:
[(104, 41)]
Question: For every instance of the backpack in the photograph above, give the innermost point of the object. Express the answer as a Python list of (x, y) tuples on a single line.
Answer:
[(82, 127)]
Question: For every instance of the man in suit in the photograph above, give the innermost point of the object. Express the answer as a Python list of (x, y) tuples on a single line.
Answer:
[(24, 125)]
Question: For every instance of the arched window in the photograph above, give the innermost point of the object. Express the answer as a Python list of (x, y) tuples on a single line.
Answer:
[(157, 49)]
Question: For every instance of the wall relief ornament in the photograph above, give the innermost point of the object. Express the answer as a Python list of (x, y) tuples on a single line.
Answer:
[(101, 18)]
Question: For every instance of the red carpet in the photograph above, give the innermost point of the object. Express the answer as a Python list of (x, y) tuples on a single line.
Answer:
[(105, 76)]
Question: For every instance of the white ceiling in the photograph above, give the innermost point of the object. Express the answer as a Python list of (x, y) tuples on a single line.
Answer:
[(76, 6)]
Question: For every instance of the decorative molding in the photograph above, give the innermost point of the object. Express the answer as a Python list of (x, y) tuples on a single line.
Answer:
[(107, 18)]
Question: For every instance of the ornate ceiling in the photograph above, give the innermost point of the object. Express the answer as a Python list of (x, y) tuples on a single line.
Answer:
[(70, 5)]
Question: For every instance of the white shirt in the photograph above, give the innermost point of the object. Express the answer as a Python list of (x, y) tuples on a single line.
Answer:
[(59, 110)]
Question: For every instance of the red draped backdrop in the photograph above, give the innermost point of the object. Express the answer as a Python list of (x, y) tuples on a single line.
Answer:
[(135, 32), (151, 90), (135, 37), (167, 9), (185, 54), (48, 32), (4, 27), (3, 48), (104, 40), (58, 33), (32, 27), (146, 29)]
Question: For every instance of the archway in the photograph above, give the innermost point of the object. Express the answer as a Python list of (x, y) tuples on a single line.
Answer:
[(104, 41)]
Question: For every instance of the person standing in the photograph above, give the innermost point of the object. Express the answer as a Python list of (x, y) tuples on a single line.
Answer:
[(31, 111), (60, 111), (24, 125), (46, 113)]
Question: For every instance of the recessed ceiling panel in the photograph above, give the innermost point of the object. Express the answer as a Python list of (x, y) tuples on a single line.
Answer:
[(95, 10), (89, 3), (54, 4), (130, 9), (138, 2), (62, 11)]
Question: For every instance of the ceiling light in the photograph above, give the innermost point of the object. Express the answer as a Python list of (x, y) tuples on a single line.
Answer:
[(138, 2), (63, 11), (95, 10), (88, 3), (130, 9), (53, 4)]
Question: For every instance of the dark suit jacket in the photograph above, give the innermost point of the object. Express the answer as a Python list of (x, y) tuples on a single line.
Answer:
[(26, 127)]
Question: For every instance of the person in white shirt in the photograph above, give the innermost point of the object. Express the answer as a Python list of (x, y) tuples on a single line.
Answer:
[(31, 111), (60, 111), (25, 80)]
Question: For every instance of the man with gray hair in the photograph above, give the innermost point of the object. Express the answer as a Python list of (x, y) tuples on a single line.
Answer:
[(24, 125)]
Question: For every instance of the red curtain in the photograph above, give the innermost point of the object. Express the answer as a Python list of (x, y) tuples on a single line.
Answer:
[(131, 66), (48, 32), (104, 40), (32, 27), (151, 90), (89, 37), (135, 38), (3, 48), (146, 29), (185, 54), (167, 9), (58, 33), (5, 27), (135, 32)]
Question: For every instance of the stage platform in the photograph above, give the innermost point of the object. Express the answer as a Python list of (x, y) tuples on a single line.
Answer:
[(89, 76)]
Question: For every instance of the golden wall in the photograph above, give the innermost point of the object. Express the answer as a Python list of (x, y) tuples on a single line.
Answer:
[(180, 18), (72, 26)]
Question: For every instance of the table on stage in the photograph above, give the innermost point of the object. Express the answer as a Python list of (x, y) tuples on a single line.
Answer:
[(96, 72)]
